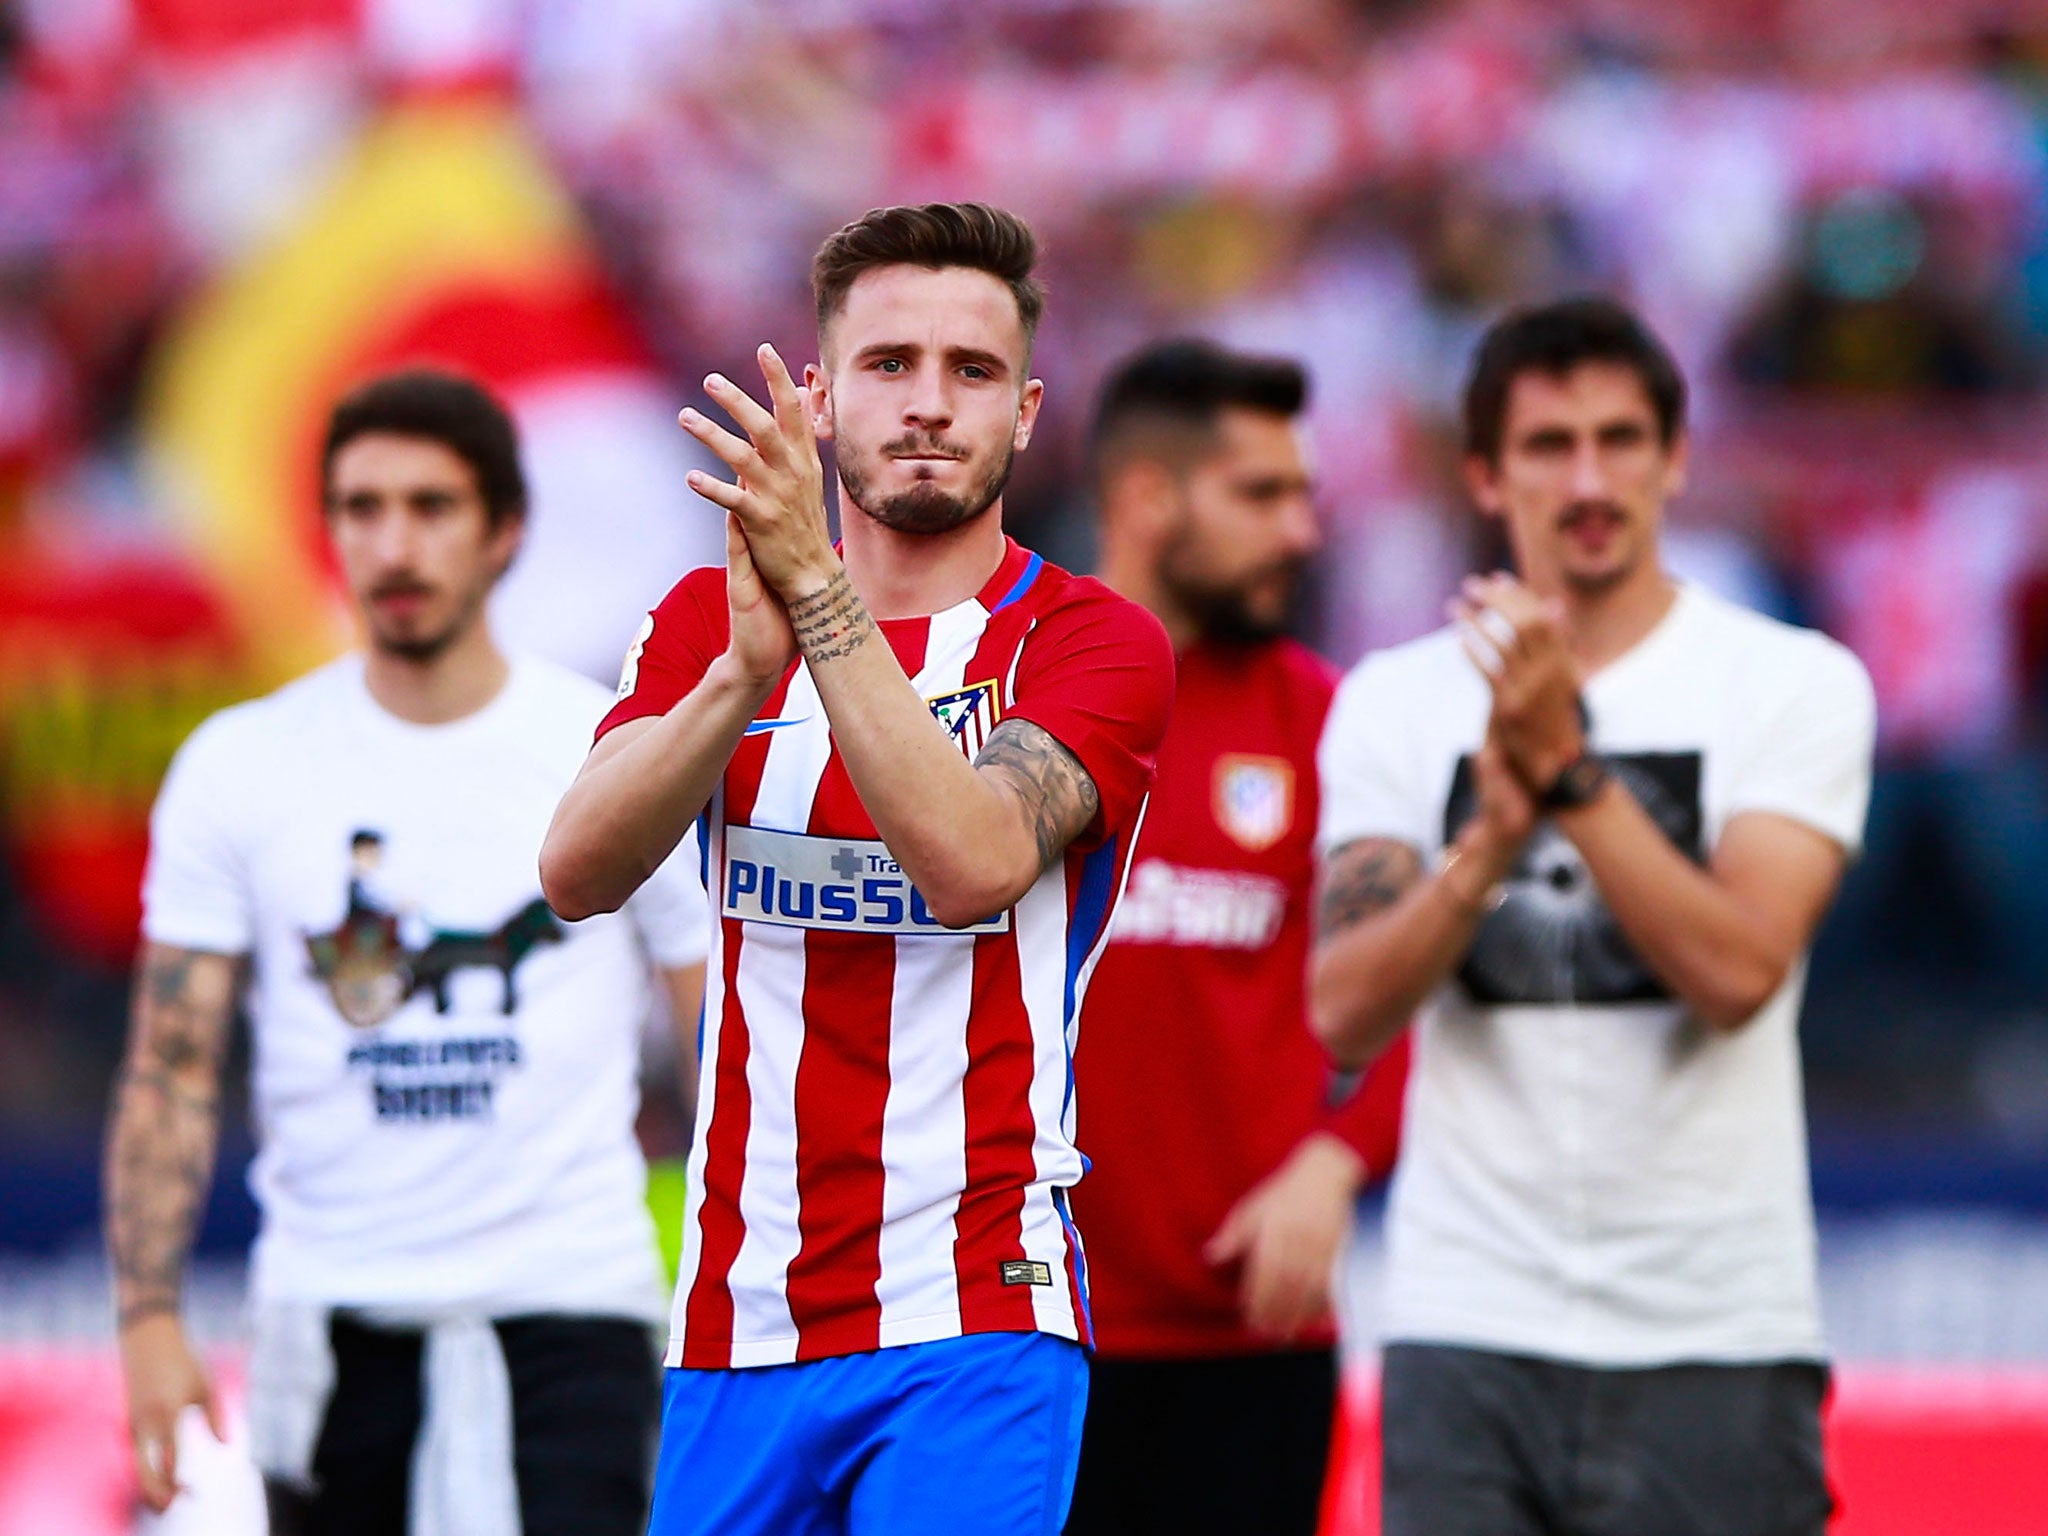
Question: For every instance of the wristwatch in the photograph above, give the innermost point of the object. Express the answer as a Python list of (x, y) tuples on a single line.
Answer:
[(1577, 782)]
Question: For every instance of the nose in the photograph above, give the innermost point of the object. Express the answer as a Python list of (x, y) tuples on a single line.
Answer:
[(1302, 529), (1588, 483), (930, 403)]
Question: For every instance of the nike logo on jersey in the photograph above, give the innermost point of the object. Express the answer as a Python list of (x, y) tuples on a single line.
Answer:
[(762, 727), (849, 884)]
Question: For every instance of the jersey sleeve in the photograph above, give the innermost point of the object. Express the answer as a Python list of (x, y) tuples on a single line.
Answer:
[(675, 647), (1359, 770), (1368, 1119), (1097, 673), (669, 912), (1811, 750), (195, 889)]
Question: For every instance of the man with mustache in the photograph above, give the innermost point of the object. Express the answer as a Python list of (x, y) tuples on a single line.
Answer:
[(1224, 1157), (1588, 831), (456, 1276), (920, 759)]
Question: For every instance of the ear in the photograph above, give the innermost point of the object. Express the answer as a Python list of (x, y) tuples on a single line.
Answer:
[(504, 541), (1483, 482), (818, 400), (1143, 497), (1676, 465), (1027, 413)]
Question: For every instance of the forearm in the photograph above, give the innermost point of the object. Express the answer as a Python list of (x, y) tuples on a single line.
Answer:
[(1690, 930), (1380, 959), (631, 806), (960, 838), (165, 1125)]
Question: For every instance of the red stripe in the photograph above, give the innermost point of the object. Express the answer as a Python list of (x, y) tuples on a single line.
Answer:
[(841, 1092), (1000, 1135), (708, 1314)]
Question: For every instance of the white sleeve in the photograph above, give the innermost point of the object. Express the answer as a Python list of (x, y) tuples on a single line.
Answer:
[(1365, 790), (195, 890), (1810, 760), (669, 911)]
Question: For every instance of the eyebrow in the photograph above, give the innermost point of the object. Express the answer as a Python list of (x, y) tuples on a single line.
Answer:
[(990, 360)]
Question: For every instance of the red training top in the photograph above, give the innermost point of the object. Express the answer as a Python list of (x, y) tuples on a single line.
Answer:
[(1196, 1074)]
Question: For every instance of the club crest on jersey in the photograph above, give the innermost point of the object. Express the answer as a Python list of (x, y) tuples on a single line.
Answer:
[(968, 715), (1254, 799)]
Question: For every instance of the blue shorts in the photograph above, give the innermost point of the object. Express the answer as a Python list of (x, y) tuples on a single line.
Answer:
[(976, 1433)]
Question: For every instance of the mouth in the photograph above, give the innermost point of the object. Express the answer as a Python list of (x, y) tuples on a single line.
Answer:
[(1593, 524)]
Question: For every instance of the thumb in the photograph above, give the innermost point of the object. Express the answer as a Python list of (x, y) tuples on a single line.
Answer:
[(1231, 1239), (209, 1404)]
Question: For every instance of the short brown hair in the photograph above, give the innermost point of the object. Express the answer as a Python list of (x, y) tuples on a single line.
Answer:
[(445, 408), (934, 235), (1554, 339)]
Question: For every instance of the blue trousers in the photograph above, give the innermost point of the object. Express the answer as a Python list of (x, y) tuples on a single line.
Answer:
[(976, 1433)]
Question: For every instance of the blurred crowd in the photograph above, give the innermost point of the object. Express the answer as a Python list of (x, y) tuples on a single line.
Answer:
[(1836, 211)]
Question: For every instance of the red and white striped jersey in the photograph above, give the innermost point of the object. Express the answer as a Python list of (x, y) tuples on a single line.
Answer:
[(885, 1113)]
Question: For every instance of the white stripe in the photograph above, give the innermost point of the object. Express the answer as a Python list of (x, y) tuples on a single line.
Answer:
[(1042, 956), (707, 1084), (770, 983), (924, 1122)]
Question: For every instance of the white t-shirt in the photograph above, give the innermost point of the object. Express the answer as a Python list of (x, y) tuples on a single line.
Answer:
[(444, 1074), (1589, 1173)]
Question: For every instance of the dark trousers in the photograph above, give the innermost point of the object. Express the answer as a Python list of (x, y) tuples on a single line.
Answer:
[(1187, 1447), (585, 1400), (1482, 1444)]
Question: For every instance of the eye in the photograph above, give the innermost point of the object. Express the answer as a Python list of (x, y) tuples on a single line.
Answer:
[(889, 365), (975, 371)]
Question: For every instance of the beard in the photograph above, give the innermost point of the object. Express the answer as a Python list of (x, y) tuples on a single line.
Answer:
[(1231, 613), (924, 508), (416, 646)]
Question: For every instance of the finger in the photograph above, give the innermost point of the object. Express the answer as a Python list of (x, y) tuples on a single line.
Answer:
[(156, 1463), (754, 418), (738, 454), (719, 492), (1230, 1239), (784, 395), (1474, 642), (216, 1420)]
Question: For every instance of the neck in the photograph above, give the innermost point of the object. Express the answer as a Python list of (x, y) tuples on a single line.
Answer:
[(910, 575), (447, 686), (1606, 624), (1128, 573)]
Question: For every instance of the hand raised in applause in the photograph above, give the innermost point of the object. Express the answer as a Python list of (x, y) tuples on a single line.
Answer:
[(777, 496), (1518, 641)]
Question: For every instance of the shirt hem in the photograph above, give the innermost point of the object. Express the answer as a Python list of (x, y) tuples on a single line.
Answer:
[(831, 1343)]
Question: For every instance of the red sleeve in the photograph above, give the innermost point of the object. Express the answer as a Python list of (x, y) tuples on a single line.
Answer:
[(676, 644), (1097, 672), (1369, 1121)]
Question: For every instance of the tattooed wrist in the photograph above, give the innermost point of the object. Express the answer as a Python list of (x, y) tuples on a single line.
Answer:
[(143, 1309), (831, 622)]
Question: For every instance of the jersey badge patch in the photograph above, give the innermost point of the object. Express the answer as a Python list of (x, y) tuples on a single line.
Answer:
[(629, 671), (968, 715), (1026, 1272), (1254, 798)]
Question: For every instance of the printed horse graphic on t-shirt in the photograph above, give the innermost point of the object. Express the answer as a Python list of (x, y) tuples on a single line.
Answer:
[(501, 949)]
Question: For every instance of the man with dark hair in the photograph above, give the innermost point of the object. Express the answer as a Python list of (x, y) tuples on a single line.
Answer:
[(1588, 831), (455, 1278), (921, 763), (1224, 1162)]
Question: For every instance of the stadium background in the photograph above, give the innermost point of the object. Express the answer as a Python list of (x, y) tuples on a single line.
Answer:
[(212, 214)]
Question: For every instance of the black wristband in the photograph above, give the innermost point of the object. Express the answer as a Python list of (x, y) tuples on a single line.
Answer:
[(1577, 782)]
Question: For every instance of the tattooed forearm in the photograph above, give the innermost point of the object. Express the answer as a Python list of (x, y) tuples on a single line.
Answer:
[(831, 622), (1364, 877), (1058, 796), (166, 1116)]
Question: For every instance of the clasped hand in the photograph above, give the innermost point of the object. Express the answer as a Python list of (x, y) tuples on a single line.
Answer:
[(1519, 642), (778, 547)]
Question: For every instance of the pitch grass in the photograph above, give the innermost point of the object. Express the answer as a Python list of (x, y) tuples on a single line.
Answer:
[(666, 1180)]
